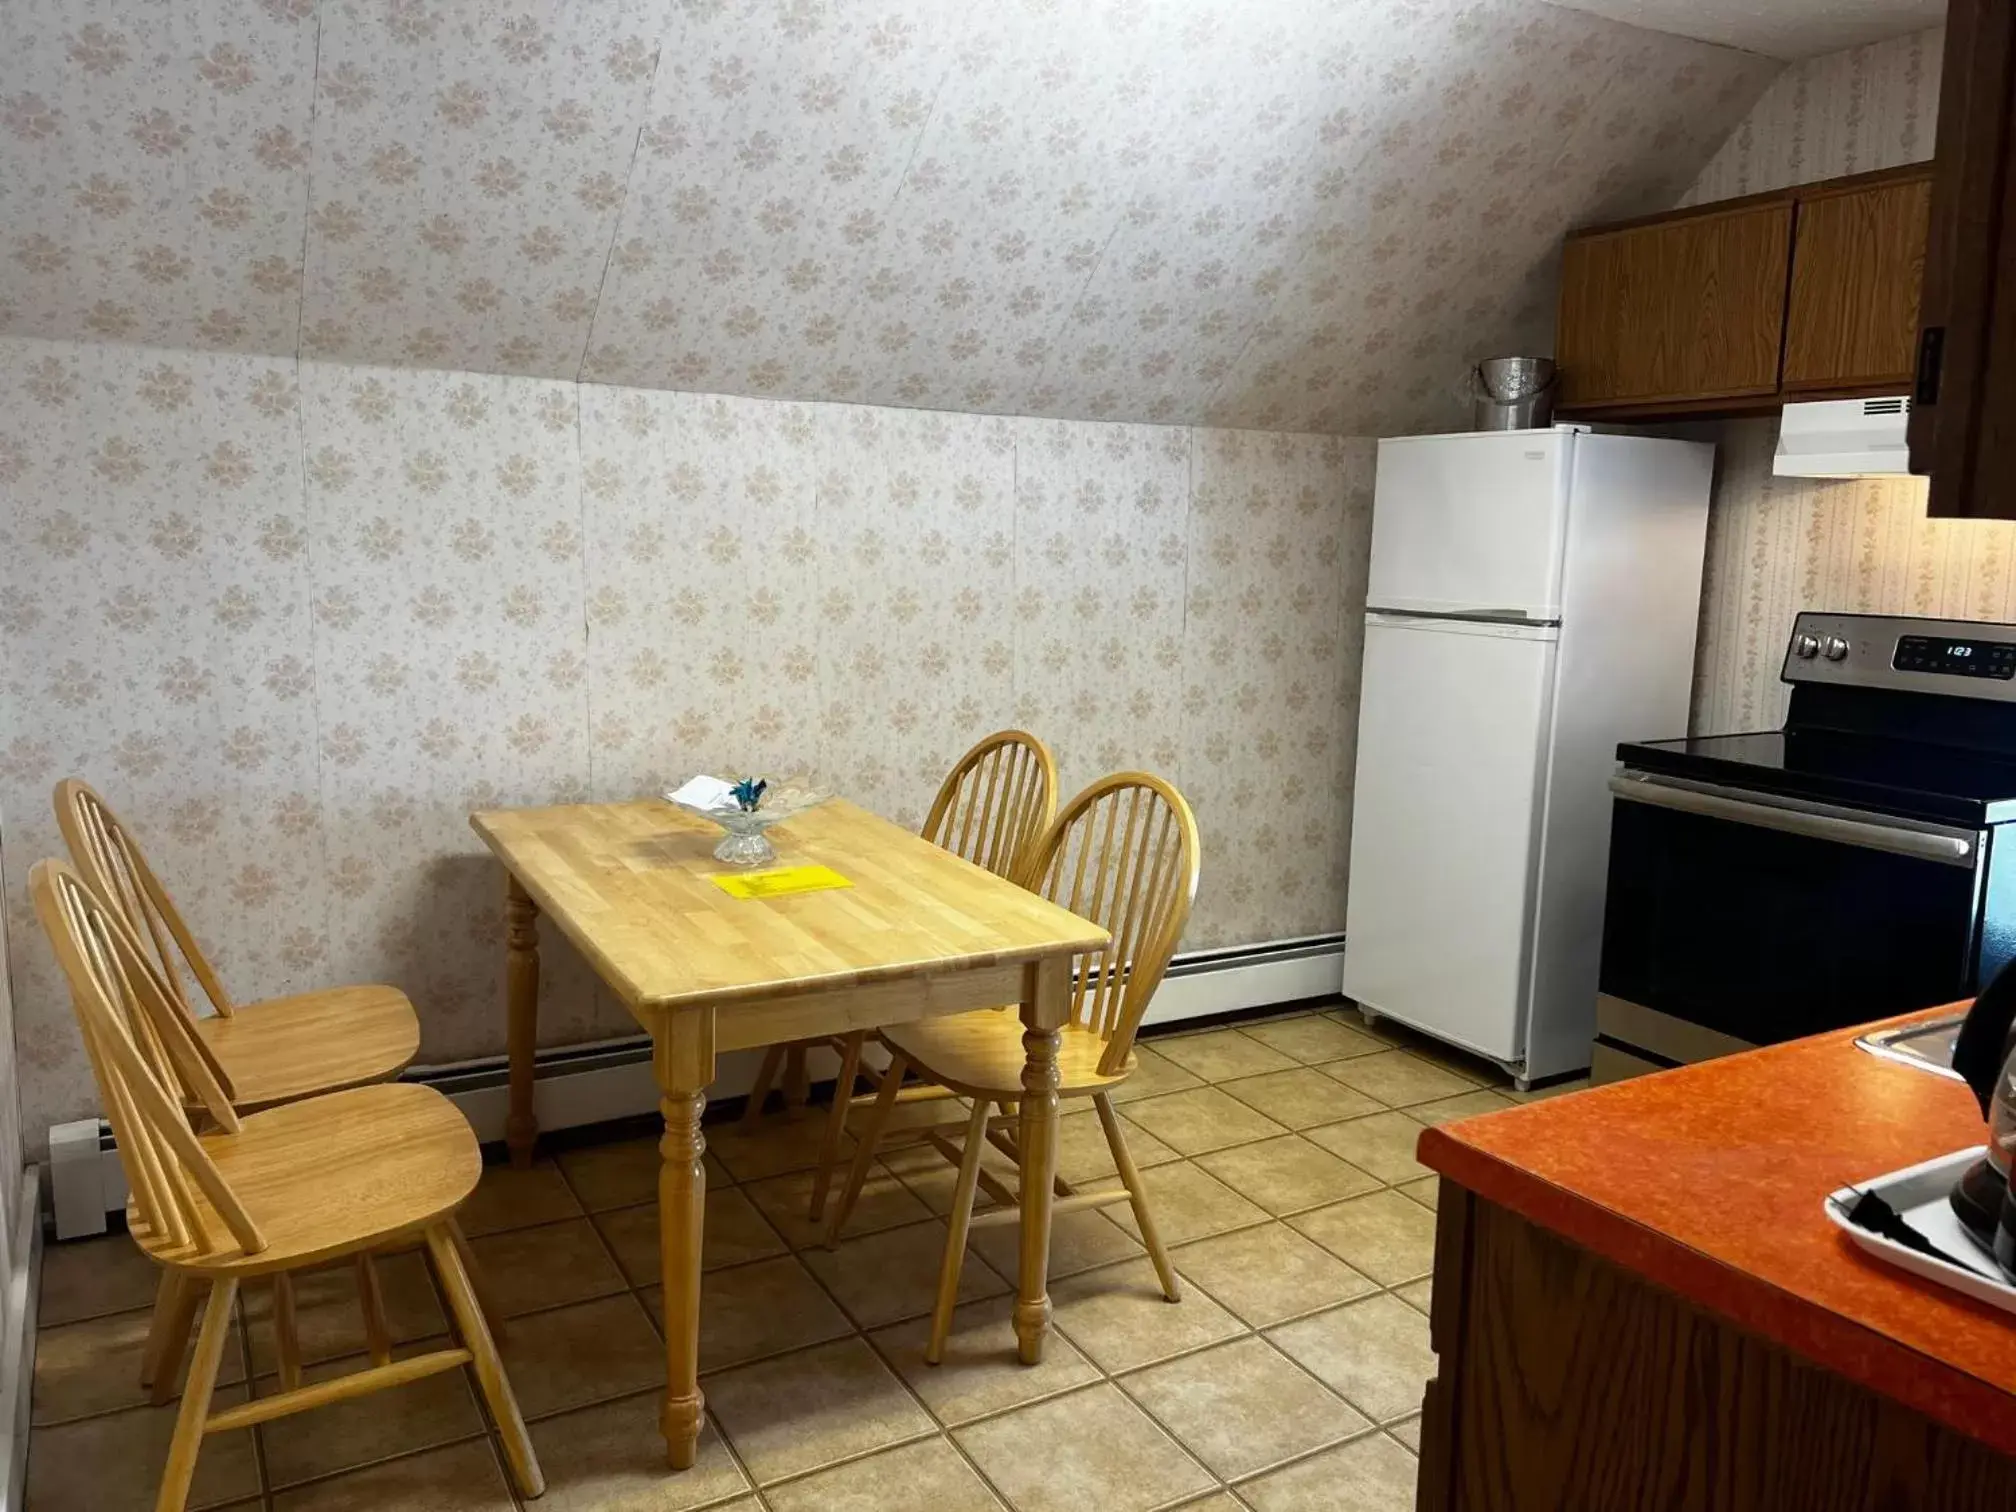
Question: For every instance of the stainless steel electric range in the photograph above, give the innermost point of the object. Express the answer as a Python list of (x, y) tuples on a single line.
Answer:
[(1857, 863)]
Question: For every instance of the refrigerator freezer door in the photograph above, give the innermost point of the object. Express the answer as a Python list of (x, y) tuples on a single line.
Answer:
[(1444, 826), (1471, 524)]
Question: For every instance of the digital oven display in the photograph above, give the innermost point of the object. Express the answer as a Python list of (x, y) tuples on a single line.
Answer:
[(1958, 658)]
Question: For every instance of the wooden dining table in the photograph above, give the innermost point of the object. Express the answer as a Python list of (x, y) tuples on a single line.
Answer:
[(916, 932)]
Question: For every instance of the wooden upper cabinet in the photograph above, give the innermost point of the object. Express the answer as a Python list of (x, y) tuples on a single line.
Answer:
[(1858, 262), (1681, 309)]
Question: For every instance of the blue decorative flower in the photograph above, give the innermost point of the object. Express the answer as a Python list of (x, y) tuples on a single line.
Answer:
[(749, 793)]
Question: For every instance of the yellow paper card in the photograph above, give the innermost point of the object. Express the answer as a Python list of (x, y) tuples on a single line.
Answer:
[(779, 881)]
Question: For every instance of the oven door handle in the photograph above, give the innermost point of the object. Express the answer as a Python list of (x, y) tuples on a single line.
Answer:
[(1944, 847)]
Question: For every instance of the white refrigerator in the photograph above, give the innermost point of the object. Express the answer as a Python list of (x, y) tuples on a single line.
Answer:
[(1532, 601)]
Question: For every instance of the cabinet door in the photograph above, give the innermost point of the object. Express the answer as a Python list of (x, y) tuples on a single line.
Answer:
[(1963, 412), (1858, 262), (1679, 310)]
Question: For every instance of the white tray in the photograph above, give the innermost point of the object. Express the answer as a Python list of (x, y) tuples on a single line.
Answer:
[(1919, 1193)]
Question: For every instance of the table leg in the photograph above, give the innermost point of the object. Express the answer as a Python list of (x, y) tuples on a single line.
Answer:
[(521, 1001), (1045, 1003), (683, 1061)]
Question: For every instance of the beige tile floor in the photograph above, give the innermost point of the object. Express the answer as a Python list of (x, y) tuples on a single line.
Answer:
[(1279, 1154)]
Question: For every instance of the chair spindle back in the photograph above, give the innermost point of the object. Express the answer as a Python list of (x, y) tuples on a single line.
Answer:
[(104, 850), (1124, 855), (995, 804), (143, 1053)]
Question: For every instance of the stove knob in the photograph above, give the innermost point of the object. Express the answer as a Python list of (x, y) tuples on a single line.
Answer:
[(1836, 648), (1806, 647)]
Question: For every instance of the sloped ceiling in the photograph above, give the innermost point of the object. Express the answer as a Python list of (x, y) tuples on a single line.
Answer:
[(1791, 29), (1294, 214)]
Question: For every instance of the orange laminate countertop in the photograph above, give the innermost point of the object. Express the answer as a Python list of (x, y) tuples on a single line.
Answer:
[(1709, 1180)]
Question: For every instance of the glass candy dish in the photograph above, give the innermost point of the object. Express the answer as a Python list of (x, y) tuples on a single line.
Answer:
[(744, 843)]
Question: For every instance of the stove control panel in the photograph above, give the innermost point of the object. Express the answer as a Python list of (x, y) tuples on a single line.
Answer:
[(1960, 658), (1951, 654)]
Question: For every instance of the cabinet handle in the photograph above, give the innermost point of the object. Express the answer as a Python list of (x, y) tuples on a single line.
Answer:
[(1931, 362)]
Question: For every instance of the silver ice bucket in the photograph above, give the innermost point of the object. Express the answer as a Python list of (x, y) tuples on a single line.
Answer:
[(1512, 393)]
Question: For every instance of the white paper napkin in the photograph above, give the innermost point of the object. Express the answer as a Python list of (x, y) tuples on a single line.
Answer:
[(704, 792)]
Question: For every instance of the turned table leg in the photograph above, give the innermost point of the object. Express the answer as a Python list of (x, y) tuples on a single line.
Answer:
[(683, 1061), (521, 1001), (1045, 1002)]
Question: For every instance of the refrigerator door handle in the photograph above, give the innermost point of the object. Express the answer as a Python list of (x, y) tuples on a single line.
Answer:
[(1815, 821), (1449, 624), (1459, 616)]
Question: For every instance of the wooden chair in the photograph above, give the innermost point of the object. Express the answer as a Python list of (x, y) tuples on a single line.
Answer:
[(991, 808), (1123, 854), (261, 1053), (293, 1188)]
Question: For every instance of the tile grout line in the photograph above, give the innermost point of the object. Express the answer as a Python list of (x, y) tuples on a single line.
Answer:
[(455, 1442), (636, 1295), (863, 1329), (243, 1326), (1359, 1437), (1372, 1424), (794, 1253), (940, 1429), (857, 1329)]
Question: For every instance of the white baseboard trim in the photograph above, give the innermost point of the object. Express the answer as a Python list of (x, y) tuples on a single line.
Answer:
[(613, 1082), (17, 1343), (620, 1089), (590, 1084)]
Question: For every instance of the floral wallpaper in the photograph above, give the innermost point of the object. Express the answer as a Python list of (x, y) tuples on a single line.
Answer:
[(1287, 214), (297, 618), (1779, 545), (154, 171)]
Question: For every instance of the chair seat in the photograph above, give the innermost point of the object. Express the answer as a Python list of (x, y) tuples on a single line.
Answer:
[(330, 1176), (291, 1047), (980, 1054)]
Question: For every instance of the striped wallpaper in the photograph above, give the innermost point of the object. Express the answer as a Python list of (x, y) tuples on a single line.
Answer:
[(1779, 545), (1848, 112)]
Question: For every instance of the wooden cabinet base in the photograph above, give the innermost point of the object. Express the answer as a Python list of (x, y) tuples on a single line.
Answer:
[(1568, 1382)]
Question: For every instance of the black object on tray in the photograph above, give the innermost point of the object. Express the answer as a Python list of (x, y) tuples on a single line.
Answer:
[(1982, 1198)]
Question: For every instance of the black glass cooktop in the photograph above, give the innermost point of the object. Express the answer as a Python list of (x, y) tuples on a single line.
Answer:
[(1892, 776)]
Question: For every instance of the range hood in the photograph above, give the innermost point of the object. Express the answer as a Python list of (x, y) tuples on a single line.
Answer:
[(1844, 438)]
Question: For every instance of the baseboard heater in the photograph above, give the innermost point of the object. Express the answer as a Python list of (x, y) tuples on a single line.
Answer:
[(610, 1080)]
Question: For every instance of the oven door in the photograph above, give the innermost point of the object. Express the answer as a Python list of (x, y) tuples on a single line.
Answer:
[(1739, 918)]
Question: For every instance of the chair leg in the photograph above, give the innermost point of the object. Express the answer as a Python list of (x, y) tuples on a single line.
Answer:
[(286, 1336), (797, 1080), (1137, 1194), (960, 1221), (493, 1314), (864, 1153), (759, 1094), (496, 1388), (1004, 1141), (195, 1410), (377, 1331), (836, 1120), (175, 1302)]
